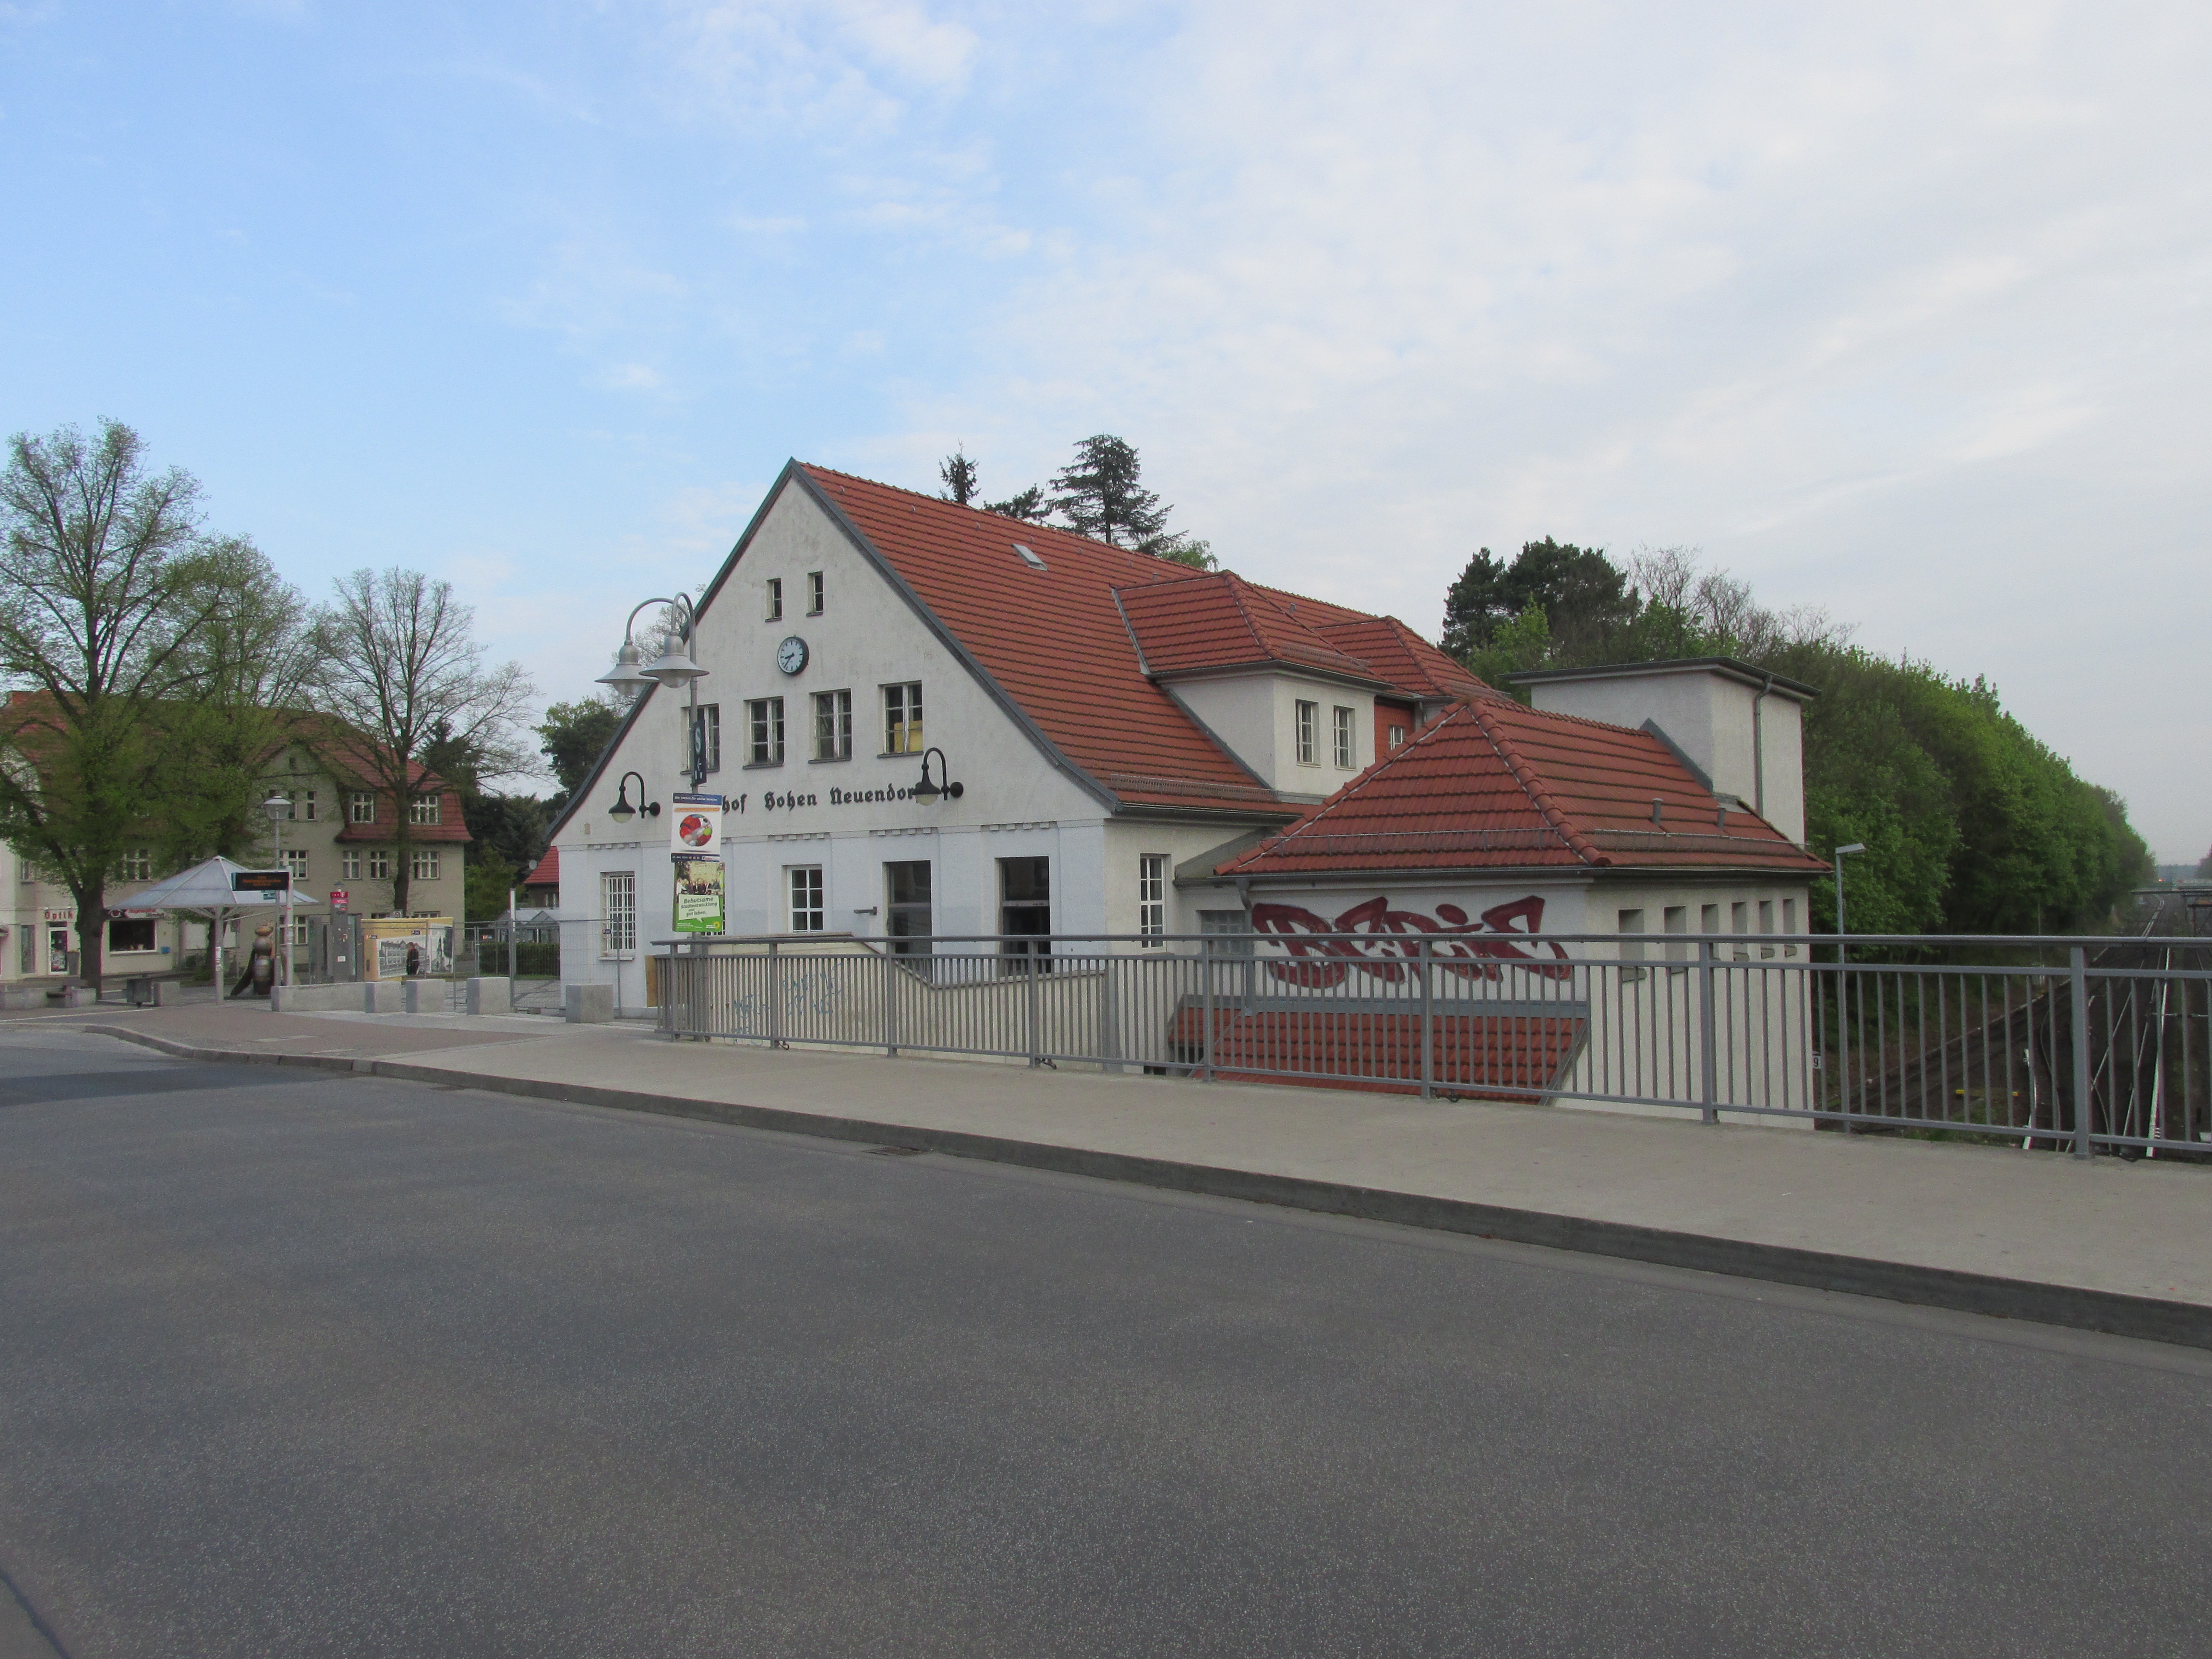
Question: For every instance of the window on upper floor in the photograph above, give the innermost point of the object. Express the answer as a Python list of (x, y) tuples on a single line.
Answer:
[(379, 864), (136, 865), (813, 592), (706, 737), (902, 718), (764, 725), (832, 726), (1346, 751), (361, 806), (776, 599), (423, 809), (295, 861), (1308, 723), (349, 866), (307, 806), (423, 866)]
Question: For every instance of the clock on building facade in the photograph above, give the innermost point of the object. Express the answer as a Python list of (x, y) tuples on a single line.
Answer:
[(790, 655)]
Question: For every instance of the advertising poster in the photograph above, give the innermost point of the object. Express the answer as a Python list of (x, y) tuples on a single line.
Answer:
[(698, 907), (695, 827), (387, 941)]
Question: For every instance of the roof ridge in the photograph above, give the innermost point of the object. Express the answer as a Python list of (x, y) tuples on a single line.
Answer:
[(1525, 776)]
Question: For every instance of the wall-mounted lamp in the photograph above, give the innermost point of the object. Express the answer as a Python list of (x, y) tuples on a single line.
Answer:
[(930, 789), (622, 811)]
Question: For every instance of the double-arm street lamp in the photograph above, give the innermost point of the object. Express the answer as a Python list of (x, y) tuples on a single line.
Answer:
[(677, 664)]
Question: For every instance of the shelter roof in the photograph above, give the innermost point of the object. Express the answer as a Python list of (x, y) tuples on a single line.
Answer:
[(1490, 784)]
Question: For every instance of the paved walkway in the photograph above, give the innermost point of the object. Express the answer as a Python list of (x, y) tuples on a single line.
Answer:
[(2035, 1235)]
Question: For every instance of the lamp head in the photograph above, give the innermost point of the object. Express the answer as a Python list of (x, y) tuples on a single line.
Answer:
[(277, 808), (626, 677), (1854, 847), (675, 666)]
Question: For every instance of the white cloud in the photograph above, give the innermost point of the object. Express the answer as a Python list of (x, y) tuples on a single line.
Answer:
[(1874, 302)]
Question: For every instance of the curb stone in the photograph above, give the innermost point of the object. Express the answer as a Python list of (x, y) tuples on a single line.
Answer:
[(2112, 1312)]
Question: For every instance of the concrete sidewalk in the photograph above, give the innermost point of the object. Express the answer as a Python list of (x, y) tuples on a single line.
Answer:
[(2109, 1245)]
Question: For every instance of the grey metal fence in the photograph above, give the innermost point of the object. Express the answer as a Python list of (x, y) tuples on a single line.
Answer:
[(2048, 1041)]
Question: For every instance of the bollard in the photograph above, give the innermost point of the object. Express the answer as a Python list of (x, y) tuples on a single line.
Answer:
[(487, 996)]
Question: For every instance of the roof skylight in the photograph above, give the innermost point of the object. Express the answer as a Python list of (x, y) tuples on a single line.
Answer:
[(1028, 557)]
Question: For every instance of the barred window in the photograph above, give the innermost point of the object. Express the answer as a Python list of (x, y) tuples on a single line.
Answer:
[(806, 908), (1152, 895), (902, 718), (1308, 734), (765, 717), (423, 866), (618, 909), (832, 726), (361, 806)]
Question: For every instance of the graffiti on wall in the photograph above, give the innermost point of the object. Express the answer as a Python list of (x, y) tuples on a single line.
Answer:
[(1385, 943)]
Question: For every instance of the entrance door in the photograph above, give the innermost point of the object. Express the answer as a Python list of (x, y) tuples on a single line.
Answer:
[(907, 921), (57, 950)]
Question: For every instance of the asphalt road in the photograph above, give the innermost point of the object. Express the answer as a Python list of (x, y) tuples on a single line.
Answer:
[(298, 1364)]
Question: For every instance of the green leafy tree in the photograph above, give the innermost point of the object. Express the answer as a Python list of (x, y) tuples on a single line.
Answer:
[(1525, 642), (489, 881), (105, 593), (572, 738), (1585, 598), (248, 665)]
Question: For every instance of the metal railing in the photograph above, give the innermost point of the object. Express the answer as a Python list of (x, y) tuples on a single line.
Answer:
[(2046, 1041)]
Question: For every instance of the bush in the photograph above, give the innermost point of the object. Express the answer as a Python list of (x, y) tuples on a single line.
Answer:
[(533, 958)]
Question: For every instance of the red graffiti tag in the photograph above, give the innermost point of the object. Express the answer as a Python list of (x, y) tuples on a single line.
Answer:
[(1388, 942)]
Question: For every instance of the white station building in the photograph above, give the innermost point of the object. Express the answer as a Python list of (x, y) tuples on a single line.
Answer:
[(1142, 748)]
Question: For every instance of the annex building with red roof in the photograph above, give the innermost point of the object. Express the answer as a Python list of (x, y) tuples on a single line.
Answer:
[(1141, 748)]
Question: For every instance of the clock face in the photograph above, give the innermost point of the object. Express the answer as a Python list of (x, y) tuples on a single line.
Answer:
[(790, 655)]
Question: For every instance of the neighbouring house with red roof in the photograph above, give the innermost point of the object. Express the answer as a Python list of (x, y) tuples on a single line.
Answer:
[(541, 888), (1139, 748), (340, 837)]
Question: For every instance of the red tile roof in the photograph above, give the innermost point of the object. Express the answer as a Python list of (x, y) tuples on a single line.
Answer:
[(547, 872), (1491, 785), (1222, 621), (1055, 642), (1395, 653)]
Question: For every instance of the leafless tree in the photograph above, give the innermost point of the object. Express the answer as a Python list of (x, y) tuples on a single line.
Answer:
[(400, 667)]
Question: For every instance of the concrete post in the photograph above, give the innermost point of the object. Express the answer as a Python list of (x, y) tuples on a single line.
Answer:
[(589, 1005), (489, 996)]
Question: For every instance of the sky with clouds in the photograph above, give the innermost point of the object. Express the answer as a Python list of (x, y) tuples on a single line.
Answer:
[(1898, 310)]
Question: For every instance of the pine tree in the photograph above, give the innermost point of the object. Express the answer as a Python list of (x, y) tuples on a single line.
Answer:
[(1099, 494), (1029, 505), (963, 479)]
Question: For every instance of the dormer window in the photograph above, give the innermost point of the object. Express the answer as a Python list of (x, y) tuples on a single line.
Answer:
[(1308, 721), (1347, 752)]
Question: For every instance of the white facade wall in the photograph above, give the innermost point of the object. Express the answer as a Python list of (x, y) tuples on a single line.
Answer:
[(1256, 715), (1708, 715)]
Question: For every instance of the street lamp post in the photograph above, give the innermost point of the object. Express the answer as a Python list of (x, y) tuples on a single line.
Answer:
[(677, 665), (280, 809), (1841, 853)]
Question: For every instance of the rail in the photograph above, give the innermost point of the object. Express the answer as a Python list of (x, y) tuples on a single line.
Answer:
[(2059, 1043)]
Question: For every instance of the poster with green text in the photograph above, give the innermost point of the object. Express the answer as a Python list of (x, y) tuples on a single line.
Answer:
[(699, 896)]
